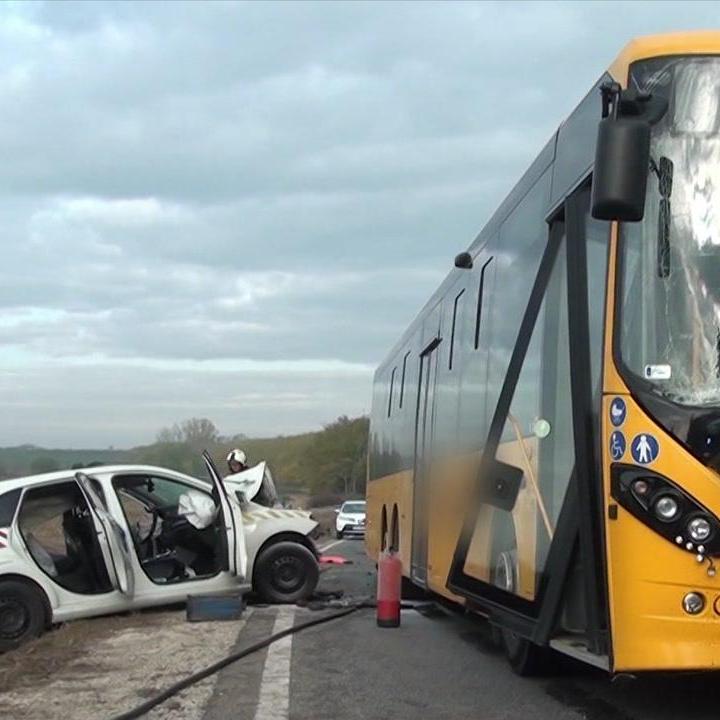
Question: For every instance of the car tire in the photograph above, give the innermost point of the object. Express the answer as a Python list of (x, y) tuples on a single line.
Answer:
[(285, 573), (23, 614), (339, 534)]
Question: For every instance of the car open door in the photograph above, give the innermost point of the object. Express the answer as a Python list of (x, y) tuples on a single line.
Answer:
[(234, 539), (113, 542)]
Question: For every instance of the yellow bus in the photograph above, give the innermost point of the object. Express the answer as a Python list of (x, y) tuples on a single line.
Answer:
[(545, 436)]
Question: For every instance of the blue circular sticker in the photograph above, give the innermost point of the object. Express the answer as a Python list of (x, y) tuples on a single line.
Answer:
[(645, 448), (617, 445), (618, 412)]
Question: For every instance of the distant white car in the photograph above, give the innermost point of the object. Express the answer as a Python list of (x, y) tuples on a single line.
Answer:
[(350, 519), (130, 536)]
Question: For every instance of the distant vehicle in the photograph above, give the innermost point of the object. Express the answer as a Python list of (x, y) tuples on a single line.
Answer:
[(125, 537), (350, 519)]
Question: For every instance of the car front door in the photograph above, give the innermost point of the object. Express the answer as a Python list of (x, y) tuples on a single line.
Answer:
[(234, 537), (113, 541)]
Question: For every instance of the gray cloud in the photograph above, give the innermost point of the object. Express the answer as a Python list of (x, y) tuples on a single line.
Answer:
[(234, 209)]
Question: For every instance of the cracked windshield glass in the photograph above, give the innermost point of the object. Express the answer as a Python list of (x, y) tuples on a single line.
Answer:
[(670, 332)]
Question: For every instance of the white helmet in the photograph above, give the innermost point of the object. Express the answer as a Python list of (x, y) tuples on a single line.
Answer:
[(237, 456)]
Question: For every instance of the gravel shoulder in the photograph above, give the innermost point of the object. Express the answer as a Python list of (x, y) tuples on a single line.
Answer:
[(97, 668)]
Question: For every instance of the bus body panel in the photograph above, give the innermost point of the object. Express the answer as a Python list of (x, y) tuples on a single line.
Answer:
[(383, 496), (648, 575)]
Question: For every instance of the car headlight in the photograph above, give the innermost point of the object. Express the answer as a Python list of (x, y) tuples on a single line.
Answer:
[(666, 508), (699, 529)]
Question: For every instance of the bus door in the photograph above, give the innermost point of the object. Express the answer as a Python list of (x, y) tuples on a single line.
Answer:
[(424, 421), (536, 512)]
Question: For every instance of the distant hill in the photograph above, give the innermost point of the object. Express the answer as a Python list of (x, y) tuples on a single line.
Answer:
[(327, 462), (30, 459)]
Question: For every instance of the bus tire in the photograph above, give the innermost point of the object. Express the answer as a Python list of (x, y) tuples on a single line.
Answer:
[(525, 657)]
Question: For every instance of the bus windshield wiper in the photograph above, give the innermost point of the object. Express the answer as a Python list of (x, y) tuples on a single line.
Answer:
[(664, 172)]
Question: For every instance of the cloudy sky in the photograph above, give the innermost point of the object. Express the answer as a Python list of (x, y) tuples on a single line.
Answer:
[(233, 210)]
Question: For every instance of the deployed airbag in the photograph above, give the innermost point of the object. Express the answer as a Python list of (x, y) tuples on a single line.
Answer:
[(198, 508)]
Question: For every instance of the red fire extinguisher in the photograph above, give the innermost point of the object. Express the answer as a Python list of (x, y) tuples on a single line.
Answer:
[(389, 576)]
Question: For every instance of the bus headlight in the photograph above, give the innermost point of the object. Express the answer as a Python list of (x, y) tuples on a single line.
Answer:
[(699, 529), (666, 508), (693, 603)]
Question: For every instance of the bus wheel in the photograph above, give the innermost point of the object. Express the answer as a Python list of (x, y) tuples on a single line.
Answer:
[(525, 657)]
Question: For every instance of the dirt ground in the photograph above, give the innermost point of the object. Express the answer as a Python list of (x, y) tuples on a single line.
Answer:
[(97, 668)]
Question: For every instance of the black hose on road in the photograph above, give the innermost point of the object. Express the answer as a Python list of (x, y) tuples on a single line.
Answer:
[(148, 705)]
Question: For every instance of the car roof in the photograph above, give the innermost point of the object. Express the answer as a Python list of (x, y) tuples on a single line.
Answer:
[(99, 470)]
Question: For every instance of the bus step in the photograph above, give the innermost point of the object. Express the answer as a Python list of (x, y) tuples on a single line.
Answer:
[(575, 648)]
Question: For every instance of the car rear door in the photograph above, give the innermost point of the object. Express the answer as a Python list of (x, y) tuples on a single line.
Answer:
[(233, 540), (113, 542)]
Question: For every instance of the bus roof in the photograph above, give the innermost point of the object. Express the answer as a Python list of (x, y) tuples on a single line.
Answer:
[(699, 42)]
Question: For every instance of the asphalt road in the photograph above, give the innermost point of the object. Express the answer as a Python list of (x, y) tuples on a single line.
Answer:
[(436, 665)]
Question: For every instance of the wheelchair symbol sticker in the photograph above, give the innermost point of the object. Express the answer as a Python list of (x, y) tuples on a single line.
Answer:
[(645, 449), (617, 445), (618, 411)]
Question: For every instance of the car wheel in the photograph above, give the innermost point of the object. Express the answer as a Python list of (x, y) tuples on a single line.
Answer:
[(285, 573), (339, 534), (22, 614)]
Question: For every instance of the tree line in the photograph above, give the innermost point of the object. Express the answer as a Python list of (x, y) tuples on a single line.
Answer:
[(327, 463)]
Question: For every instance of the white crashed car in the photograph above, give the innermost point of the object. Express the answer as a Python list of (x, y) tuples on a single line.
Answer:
[(350, 519), (74, 545)]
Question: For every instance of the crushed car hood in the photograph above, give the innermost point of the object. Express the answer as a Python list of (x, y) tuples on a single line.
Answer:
[(249, 481)]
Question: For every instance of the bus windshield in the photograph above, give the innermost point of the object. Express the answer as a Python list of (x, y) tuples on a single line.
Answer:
[(670, 304)]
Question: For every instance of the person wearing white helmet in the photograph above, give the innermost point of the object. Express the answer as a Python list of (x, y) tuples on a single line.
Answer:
[(237, 461)]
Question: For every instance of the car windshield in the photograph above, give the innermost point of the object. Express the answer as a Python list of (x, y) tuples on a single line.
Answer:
[(353, 507), (670, 330)]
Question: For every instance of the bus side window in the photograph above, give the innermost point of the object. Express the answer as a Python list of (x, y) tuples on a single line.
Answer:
[(481, 292), (475, 333), (402, 378), (522, 242), (454, 325), (392, 387)]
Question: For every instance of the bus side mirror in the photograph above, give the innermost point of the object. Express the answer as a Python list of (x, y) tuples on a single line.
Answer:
[(622, 160)]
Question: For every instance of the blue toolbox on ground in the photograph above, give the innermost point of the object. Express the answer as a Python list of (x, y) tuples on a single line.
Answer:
[(216, 606)]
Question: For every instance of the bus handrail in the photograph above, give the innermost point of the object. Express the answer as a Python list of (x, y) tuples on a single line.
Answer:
[(531, 476)]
